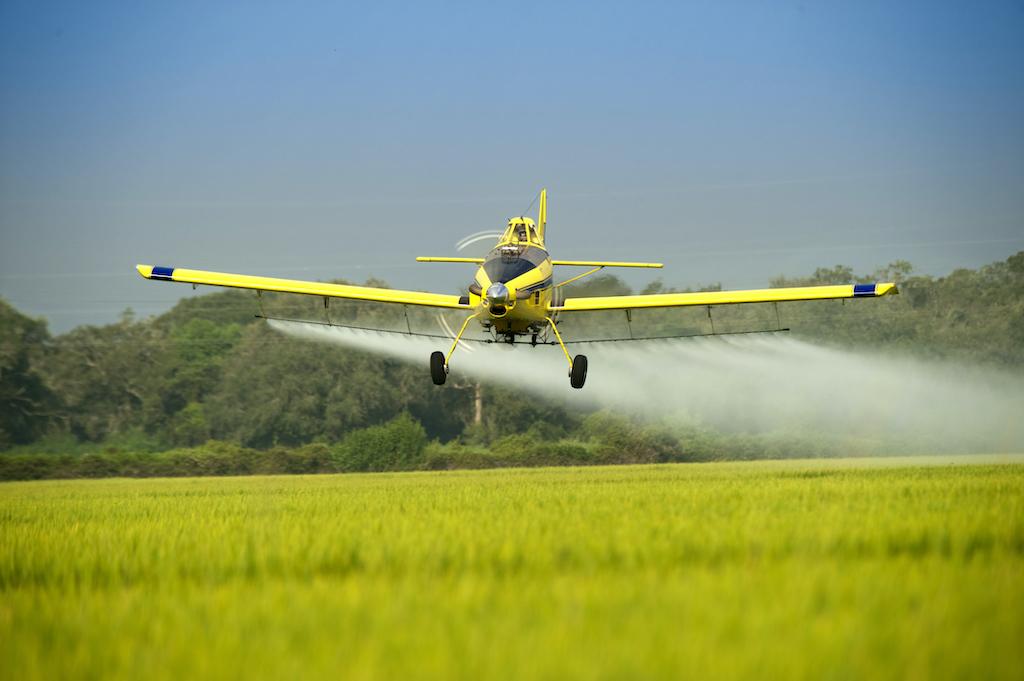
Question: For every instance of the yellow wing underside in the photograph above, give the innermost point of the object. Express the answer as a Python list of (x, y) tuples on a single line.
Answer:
[(767, 295), (311, 288)]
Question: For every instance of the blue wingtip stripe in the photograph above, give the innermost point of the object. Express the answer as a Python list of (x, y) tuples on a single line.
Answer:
[(162, 273), (863, 290)]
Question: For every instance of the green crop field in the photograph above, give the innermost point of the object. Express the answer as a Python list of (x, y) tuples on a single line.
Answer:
[(901, 569)]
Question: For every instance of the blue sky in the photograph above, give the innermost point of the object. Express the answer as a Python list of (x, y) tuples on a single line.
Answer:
[(733, 141)]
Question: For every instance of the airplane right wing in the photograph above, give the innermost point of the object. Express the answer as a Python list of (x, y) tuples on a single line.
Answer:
[(767, 295)]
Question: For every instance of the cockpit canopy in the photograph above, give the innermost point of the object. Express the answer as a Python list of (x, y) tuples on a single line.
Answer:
[(518, 251), (521, 230)]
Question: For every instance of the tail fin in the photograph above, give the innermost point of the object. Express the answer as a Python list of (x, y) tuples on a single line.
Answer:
[(542, 214)]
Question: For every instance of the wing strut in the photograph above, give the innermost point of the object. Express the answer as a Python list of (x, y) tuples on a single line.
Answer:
[(580, 276)]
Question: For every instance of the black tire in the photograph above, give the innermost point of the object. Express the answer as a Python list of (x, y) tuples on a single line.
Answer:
[(437, 370), (578, 373)]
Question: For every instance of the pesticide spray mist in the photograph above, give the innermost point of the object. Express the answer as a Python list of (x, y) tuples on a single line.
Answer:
[(747, 384)]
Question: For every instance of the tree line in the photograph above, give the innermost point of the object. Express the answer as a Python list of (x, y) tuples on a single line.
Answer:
[(208, 380)]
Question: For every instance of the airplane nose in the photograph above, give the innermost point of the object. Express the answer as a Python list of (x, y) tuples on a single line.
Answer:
[(497, 299), (497, 294)]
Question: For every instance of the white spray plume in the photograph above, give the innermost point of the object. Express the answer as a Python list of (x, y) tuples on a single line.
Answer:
[(750, 384)]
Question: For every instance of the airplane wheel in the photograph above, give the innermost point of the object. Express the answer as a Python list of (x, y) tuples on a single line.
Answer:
[(438, 372), (578, 373)]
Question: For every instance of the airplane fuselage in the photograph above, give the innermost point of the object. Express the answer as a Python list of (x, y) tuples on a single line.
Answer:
[(513, 288)]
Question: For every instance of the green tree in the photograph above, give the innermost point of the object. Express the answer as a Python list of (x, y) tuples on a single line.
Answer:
[(279, 390), (396, 445), (104, 376), (26, 404), (187, 366)]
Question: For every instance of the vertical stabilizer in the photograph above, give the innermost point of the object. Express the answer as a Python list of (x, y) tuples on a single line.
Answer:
[(542, 214)]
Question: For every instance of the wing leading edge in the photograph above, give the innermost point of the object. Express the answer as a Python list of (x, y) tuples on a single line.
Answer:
[(311, 288), (767, 295)]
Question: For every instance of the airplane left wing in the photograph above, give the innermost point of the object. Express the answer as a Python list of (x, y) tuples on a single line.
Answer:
[(768, 295), (310, 288)]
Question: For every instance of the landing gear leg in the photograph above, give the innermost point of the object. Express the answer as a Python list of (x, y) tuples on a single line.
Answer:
[(577, 365), (439, 361)]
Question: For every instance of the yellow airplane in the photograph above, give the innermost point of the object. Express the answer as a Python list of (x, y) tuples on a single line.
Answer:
[(514, 292)]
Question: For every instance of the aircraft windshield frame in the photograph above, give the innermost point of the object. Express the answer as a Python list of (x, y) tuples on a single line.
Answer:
[(500, 267)]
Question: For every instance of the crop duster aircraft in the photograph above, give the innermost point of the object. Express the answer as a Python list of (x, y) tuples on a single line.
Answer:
[(515, 294)]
